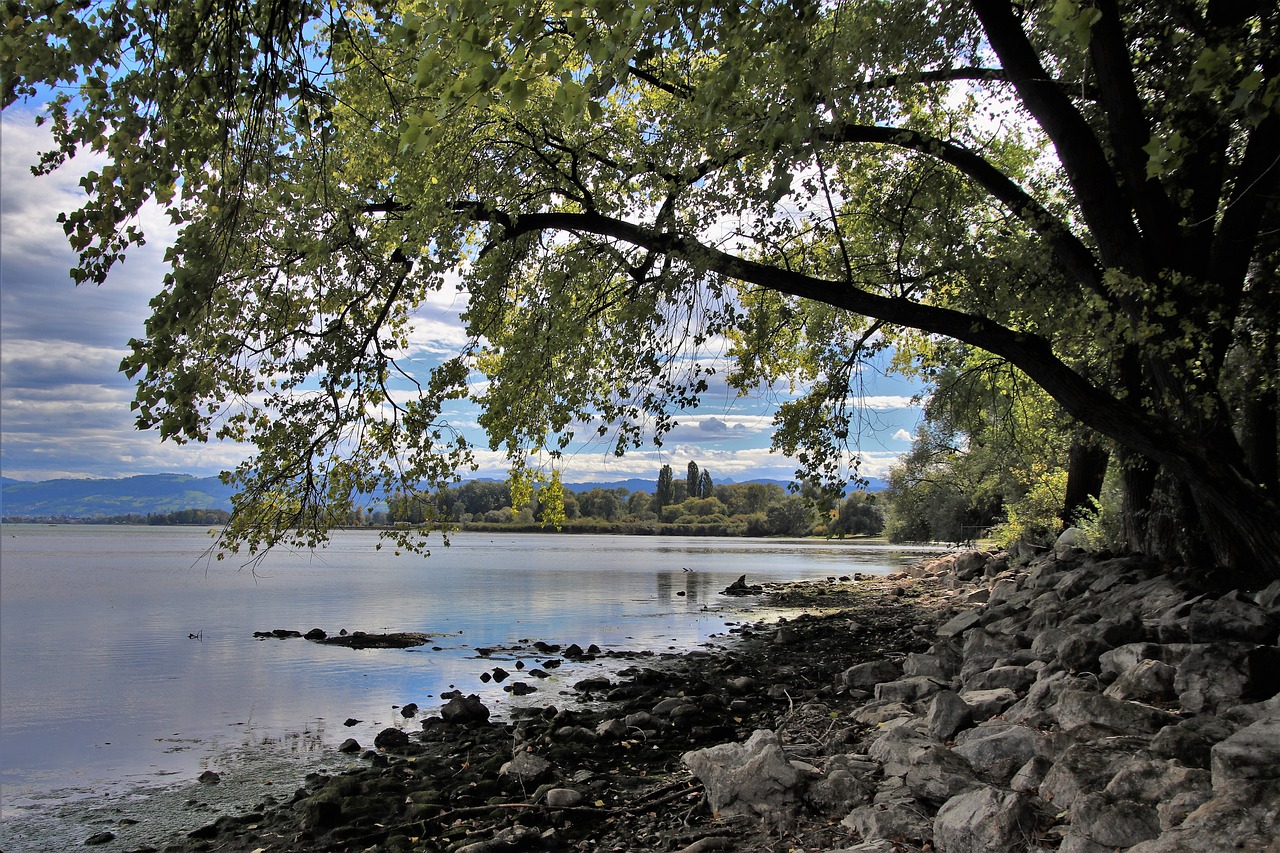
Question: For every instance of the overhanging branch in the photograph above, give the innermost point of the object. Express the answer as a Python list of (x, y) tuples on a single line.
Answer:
[(1032, 354), (1074, 255)]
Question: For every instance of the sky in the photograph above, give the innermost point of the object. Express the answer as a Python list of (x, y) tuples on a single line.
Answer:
[(64, 407)]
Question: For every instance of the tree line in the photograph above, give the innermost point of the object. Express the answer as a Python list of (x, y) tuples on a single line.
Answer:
[(689, 505), (204, 517)]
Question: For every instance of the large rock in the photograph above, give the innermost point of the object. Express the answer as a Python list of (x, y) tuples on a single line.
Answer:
[(983, 650), (930, 771), (526, 768), (1112, 824), (1211, 676), (948, 714), (1032, 709), (847, 782), (983, 820), (468, 709), (1085, 768), (970, 564), (959, 624), (939, 776), (1070, 543), (1152, 781), (753, 778), (1016, 678), (897, 820), (1183, 744), (880, 713), (1125, 657), (908, 689), (1029, 776), (391, 739), (1253, 753), (1077, 708), (998, 750), (926, 665), (987, 703), (322, 810), (1080, 652), (865, 676), (897, 750), (1242, 816), (563, 798), (1230, 619), (1145, 681)]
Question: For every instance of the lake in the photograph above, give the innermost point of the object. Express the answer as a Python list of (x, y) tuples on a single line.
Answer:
[(107, 697)]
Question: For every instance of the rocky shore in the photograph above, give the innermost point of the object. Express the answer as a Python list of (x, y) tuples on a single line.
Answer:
[(978, 702)]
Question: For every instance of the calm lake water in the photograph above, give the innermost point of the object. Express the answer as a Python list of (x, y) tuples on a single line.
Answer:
[(104, 694)]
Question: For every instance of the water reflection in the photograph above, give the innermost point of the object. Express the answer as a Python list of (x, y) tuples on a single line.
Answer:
[(102, 683)]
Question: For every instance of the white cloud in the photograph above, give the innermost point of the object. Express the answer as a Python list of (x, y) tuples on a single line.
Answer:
[(902, 435), (884, 403), (65, 408)]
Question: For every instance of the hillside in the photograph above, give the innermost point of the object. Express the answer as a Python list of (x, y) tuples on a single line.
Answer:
[(86, 498)]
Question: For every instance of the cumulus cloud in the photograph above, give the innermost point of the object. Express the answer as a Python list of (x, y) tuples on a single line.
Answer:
[(883, 403), (719, 426), (902, 435)]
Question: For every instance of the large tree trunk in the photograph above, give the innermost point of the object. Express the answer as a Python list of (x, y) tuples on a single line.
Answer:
[(1259, 434), (1139, 478), (1086, 468)]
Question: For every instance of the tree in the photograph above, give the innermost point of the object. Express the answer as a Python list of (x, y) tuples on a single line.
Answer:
[(1083, 188), (859, 515), (706, 488), (749, 498), (793, 516), (693, 482), (601, 503), (665, 493), (991, 445)]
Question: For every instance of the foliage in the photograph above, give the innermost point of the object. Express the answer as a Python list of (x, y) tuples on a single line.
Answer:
[(991, 451), (665, 494), (1102, 525), (859, 515), (756, 509), (1086, 191), (794, 516), (1037, 515)]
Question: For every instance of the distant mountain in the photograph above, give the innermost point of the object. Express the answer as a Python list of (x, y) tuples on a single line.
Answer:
[(635, 484), (159, 493), (88, 498)]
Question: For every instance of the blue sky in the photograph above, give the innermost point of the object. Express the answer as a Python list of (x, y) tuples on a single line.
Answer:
[(64, 408)]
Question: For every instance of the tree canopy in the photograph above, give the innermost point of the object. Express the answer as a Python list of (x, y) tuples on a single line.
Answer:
[(1086, 189)]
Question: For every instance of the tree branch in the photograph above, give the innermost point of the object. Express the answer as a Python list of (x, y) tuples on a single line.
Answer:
[(1103, 204), (1032, 354), (1070, 251), (1118, 94)]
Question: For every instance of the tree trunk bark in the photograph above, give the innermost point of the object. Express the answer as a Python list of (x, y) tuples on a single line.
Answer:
[(1086, 468), (1139, 478)]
